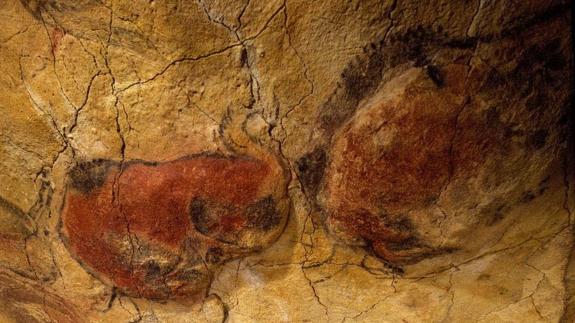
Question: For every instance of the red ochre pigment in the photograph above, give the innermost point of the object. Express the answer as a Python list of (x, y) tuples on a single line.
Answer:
[(155, 229), (396, 155)]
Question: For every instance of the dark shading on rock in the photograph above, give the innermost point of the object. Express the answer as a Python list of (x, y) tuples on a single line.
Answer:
[(88, 175)]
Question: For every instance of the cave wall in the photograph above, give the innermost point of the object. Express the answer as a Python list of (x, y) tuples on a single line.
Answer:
[(292, 161)]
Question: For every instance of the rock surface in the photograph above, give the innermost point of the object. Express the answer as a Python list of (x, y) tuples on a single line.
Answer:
[(291, 161), (157, 230)]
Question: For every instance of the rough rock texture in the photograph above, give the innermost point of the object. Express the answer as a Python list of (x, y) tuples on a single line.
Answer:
[(291, 161)]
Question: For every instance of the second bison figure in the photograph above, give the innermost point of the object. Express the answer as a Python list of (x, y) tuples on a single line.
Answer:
[(159, 229), (438, 157), (392, 160)]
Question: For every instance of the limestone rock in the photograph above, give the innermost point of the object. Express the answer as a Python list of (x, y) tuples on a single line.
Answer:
[(290, 161)]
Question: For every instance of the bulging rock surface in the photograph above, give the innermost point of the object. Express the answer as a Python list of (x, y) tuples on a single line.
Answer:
[(393, 158), (435, 153)]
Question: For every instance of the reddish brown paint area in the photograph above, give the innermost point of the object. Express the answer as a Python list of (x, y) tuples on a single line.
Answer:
[(393, 157), (56, 36), (478, 126), (136, 229)]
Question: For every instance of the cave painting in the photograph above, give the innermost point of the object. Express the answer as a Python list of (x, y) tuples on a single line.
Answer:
[(159, 229), (410, 169), (433, 155), (394, 157)]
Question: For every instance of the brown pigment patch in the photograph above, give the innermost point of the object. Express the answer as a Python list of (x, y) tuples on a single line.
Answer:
[(394, 157), (263, 214), (391, 154), (145, 228), (56, 37), (310, 168), (88, 175)]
